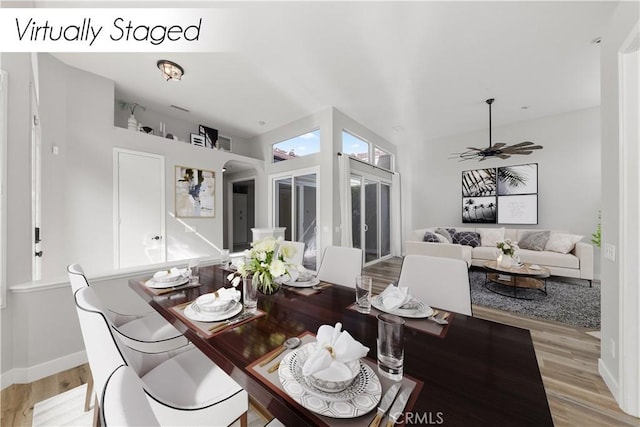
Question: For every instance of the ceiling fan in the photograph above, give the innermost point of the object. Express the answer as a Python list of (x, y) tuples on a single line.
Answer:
[(499, 149)]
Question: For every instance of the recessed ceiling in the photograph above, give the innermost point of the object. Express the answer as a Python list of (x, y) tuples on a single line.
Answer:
[(409, 71)]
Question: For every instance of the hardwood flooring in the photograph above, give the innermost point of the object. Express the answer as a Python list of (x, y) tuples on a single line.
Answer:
[(567, 356)]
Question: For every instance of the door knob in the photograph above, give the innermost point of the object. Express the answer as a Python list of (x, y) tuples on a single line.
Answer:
[(39, 253), (156, 238)]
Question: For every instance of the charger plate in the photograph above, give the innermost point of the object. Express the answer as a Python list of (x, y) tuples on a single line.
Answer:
[(358, 399), (422, 309), (162, 285), (212, 317)]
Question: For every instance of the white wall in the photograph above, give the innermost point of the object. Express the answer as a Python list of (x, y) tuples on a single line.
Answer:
[(568, 172), (619, 331)]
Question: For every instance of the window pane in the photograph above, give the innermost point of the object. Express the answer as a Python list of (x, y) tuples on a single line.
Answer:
[(306, 217), (385, 220), (371, 220), (283, 206), (355, 147), (299, 146), (356, 218), (382, 158)]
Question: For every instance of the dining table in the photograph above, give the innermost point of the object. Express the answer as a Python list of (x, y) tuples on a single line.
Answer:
[(469, 372)]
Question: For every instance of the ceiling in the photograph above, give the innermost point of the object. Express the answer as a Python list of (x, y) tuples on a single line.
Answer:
[(409, 71)]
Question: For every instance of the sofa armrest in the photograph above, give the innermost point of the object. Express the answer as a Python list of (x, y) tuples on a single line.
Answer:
[(443, 250), (584, 252)]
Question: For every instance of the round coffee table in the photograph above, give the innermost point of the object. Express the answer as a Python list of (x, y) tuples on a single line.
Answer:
[(516, 277)]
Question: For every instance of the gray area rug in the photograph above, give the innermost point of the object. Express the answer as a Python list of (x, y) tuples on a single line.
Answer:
[(567, 301)]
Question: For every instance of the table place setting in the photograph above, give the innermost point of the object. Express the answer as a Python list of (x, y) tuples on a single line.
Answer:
[(329, 375), (214, 312), (399, 302), (175, 279)]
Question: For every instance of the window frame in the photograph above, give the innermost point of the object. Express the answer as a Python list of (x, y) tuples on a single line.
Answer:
[(312, 131)]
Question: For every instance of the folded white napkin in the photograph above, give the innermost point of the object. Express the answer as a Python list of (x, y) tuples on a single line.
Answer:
[(333, 345), (395, 296), (220, 297), (174, 273)]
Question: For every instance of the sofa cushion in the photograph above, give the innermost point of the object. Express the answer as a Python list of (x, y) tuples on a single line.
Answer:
[(430, 237), (445, 232), (549, 259), (534, 240), (561, 242), (491, 236), (485, 253), (468, 238)]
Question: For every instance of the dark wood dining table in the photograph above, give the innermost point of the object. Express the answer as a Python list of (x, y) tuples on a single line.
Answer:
[(479, 373)]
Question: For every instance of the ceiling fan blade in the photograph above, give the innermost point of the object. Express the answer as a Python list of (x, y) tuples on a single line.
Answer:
[(522, 144), (504, 156), (474, 148), (535, 147), (498, 145)]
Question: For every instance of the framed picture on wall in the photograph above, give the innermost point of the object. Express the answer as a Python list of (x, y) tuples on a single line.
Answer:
[(479, 210), (210, 136), (479, 182), (518, 209), (521, 179), (194, 193)]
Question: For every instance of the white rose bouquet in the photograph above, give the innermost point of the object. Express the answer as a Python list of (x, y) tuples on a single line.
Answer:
[(265, 263), (508, 247)]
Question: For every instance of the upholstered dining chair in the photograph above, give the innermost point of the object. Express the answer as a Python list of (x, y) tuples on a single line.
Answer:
[(182, 387), (437, 281), (148, 333), (123, 401), (298, 257), (340, 265)]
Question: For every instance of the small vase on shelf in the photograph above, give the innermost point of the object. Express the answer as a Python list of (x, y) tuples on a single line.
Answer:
[(132, 123)]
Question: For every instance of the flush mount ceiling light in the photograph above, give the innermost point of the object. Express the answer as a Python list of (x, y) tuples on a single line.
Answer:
[(170, 70), (500, 149)]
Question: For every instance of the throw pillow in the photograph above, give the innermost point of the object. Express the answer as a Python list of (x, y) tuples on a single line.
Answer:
[(443, 239), (430, 237), (467, 238), (563, 243), (534, 240), (491, 236), (445, 233)]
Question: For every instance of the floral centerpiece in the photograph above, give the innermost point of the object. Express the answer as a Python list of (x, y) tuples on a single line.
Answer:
[(264, 263), (508, 250)]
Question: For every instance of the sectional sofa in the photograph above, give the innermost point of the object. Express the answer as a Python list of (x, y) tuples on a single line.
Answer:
[(576, 263)]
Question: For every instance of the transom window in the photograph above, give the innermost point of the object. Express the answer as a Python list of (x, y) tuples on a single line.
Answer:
[(355, 147), (299, 146)]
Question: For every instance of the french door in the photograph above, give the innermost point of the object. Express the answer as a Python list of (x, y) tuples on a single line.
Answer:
[(295, 207), (371, 216)]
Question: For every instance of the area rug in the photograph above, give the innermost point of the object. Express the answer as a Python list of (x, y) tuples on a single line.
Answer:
[(65, 409), (567, 301)]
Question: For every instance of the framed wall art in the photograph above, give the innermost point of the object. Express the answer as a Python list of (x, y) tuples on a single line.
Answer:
[(197, 140), (194, 193), (210, 136), (504, 195)]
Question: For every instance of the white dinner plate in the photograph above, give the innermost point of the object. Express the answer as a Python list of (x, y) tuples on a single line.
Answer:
[(361, 397), (302, 284), (212, 317), (161, 285), (421, 311)]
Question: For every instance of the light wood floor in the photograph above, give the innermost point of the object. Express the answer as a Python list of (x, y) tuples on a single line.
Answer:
[(567, 356)]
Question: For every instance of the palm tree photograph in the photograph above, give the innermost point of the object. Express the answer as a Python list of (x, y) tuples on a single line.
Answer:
[(522, 179), (479, 182), (479, 210)]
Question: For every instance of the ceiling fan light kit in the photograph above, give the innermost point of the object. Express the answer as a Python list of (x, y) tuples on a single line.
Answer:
[(500, 149), (170, 70)]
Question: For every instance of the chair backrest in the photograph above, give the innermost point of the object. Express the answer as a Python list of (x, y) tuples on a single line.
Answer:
[(77, 279), (439, 282), (298, 257), (102, 350), (340, 265), (123, 401)]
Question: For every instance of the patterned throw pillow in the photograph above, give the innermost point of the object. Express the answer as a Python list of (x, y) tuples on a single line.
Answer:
[(444, 232), (563, 243), (467, 238), (534, 240), (430, 237)]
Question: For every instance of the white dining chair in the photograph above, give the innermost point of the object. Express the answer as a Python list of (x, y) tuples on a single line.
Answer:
[(437, 281), (298, 257), (340, 265), (124, 402), (149, 333), (183, 387)]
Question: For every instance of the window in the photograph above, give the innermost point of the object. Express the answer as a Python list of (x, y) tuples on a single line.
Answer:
[(302, 145), (382, 158), (355, 147), (3, 186)]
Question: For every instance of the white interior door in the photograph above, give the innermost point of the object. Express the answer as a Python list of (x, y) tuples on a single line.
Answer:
[(140, 204)]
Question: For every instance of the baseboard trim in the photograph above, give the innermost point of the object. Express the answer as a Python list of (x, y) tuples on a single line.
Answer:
[(609, 380), (43, 370)]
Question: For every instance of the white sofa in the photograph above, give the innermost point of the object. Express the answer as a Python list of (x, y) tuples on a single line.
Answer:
[(576, 264)]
